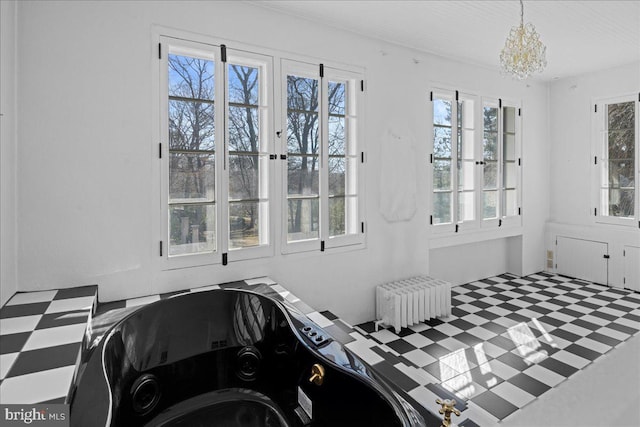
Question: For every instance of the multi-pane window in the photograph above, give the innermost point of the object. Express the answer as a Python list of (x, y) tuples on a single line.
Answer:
[(217, 167), (616, 159), (220, 151), (322, 183), (490, 161), (442, 160), (509, 198), (343, 159), (303, 157), (248, 154), (475, 161), (192, 154), (454, 158), (500, 162)]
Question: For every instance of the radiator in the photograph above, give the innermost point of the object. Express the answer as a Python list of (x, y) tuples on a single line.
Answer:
[(407, 302)]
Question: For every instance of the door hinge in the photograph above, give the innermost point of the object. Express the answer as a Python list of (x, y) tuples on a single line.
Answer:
[(457, 95), (519, 161), (223, 53), (519, 112), (595, 211), (457, 228), (595, 160), (362, 227), (321, 70), (362, 157), (431, 158), (431, 219), (160, 150), (160, 247), (322, 246), (225, 259), (159, 50), (595, 108), (519, 211), (500, 103), (431, 96), (361, 85)]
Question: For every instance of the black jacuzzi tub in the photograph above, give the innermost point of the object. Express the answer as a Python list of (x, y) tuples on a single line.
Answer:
[(228, 357)]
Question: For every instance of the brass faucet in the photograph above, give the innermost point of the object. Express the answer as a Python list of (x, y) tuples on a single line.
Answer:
[(448, 406), (317, 374)]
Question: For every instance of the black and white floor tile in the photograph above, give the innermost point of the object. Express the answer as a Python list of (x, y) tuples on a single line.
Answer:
[(40, 340), (508, 341)]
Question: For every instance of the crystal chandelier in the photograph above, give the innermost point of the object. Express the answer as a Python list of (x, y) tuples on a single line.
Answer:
[(523, 52)]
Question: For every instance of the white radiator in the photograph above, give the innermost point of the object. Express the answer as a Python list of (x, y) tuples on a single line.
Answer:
[(411, 301)]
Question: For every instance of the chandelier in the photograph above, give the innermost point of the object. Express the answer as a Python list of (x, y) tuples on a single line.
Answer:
[(523, 52)]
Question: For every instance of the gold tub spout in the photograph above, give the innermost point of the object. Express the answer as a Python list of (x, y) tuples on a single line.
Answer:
[(448, 406)]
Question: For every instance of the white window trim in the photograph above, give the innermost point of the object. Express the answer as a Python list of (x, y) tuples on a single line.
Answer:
[(598, 127)]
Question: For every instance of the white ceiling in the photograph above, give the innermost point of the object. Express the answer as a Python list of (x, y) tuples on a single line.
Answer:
[(581, 36)]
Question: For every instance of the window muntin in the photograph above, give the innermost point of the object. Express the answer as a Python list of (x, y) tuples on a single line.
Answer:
[(192, 154), (466, 157), (618, 189), (303, 158), (343, 158), (247, 123), (454, 158), (509, 198), (490, 162), (442, 160)]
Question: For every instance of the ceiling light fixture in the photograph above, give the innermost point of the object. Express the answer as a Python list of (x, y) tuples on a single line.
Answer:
[(523, 52)]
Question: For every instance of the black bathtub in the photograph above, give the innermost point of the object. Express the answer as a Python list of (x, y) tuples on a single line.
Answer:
[(228, 357)]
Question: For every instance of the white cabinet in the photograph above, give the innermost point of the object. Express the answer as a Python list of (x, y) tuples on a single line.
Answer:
[(582, 259), (632, 267)]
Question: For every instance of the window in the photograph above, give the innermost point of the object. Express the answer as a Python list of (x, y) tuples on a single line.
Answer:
[(323, 158), (500, 161), (216, 122), (616, 160), (475, 162), (223, 160), (454, 154)]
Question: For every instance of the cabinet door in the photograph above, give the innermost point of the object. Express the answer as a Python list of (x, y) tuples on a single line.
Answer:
[(632, 268), (582, 259)]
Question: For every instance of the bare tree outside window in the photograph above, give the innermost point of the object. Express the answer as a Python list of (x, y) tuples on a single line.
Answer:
[(303, 144), (192, 154)]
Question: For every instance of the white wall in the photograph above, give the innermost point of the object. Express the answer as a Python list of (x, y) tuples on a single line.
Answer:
[(8, 262), (570, 192), (85, 150)]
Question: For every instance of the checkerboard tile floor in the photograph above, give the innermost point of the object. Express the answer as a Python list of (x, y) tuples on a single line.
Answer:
[(40, 340), (508, 341)]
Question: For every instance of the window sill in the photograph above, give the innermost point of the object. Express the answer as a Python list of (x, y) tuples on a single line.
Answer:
[(444, 240)]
